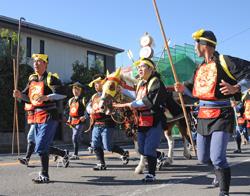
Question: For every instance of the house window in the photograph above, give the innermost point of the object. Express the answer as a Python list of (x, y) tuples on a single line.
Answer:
[(41, 46), (96, 61), (91, 60), (28, 47)]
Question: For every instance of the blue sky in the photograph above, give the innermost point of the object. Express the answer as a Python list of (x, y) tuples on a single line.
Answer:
[(121, 23)]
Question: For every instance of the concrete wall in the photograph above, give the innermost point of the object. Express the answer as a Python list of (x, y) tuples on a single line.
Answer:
[(6, 142)]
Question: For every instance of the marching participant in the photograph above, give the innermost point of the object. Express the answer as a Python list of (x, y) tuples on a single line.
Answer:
[(241, 127), (76, 112), (103, 127), (215, 80), (150, 97), (42, 91)]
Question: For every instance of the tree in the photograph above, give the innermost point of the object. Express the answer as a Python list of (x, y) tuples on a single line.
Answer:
[(84, 75), (8, 43)]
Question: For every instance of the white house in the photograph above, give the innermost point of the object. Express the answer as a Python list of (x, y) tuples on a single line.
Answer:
[(63, 48)]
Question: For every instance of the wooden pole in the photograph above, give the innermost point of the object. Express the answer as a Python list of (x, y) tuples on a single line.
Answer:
[(17, 130), (16, 83), (174, 73), (14, 112)]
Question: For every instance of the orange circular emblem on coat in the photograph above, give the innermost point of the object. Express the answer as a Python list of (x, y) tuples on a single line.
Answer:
[(73, 110), (205, 82), (36, 90)]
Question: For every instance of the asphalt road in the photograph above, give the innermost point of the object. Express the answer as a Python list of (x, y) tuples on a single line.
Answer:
[(184, 177)]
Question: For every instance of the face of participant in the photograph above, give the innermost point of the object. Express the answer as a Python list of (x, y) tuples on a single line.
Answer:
[(40, 66), (98, 86), (144, 71), (200, 49), (76, 91)]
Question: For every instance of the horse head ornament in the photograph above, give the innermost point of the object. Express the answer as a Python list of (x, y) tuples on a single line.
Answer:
[(109, 90)]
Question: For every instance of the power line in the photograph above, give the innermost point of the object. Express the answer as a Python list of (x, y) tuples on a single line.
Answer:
[(234, 35)]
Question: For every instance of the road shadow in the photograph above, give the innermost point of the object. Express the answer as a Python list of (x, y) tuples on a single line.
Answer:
[(239, 193), (112, 181)]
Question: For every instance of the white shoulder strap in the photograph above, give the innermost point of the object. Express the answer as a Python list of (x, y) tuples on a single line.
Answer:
[(83, 102)]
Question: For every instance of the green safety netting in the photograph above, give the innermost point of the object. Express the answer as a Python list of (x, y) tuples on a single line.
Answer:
[(184, 59)]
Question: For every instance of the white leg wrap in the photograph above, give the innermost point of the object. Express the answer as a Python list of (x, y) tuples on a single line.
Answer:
[(140, 167), (170, 149), (186, 152)]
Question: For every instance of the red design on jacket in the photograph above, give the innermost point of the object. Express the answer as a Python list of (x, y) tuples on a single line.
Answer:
[(205, 81)]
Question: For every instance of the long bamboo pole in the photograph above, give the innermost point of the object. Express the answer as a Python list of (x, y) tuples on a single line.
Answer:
[(17, 79), (17, 129), (174, 73), (15, 104)]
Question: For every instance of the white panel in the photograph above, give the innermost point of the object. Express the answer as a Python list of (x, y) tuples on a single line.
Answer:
[(61, 55)]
